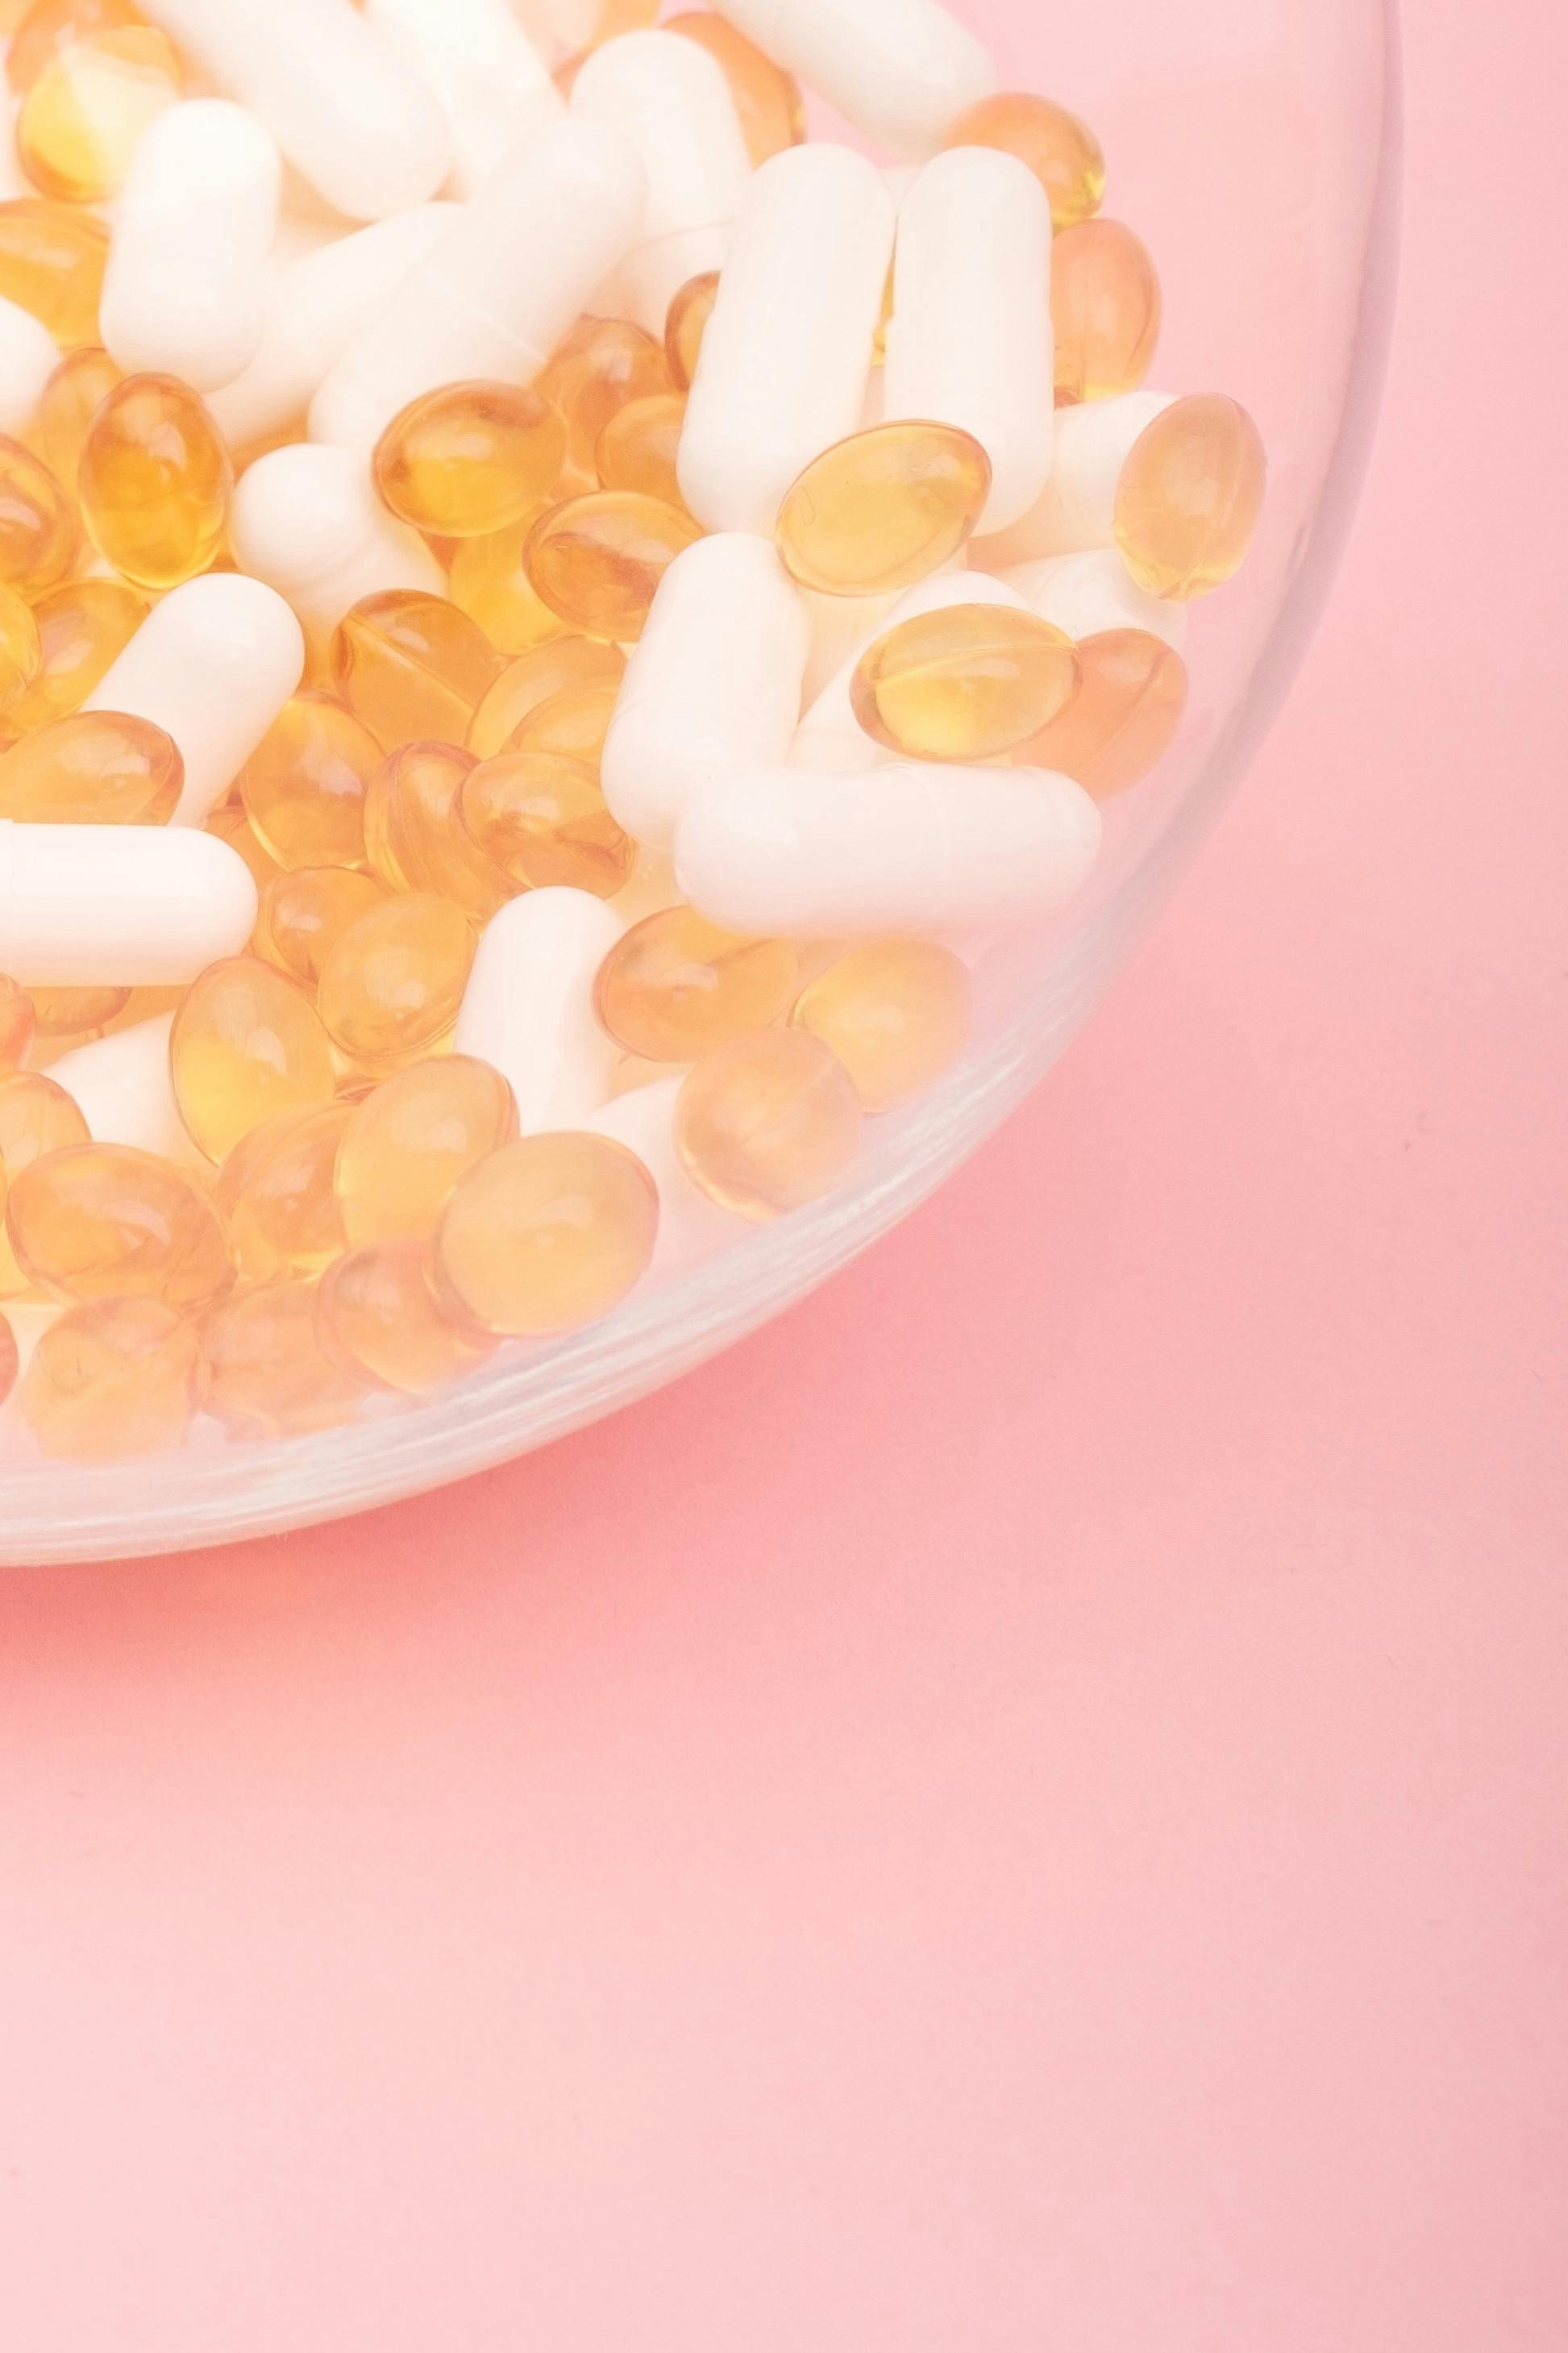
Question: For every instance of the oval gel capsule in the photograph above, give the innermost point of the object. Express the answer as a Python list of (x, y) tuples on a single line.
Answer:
[(830, 736), (489, 80), (900, 70), (307, 521), (692, 1226), (119, 906), (529, 1008), (1077, 510)]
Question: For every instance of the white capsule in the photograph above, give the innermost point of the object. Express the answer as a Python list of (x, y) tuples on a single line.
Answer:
[(906, 848), (900, 70), (320, 301), (491, 84), (500, 287), (28, 357), (713, 686), (122, 1087), (559, 29), (830, 737), (788, 352), (691, 1226), (213, 665), (970, 341), (1077, 510), (185, 293), (346, 110), (1089, 593), (529, 1006), (670, 101), (119, 906), (307, 521)]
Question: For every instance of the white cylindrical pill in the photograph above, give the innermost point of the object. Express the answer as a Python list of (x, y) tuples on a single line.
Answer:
[(489, 80), (691, 1226), (28, 357), (713, 686), (906, 848), (670, 101), (529, 1006), (970, 341), (500, 287), (1077, 510), (212, 665), (349, 113), (788, 352), (307, 521), (185, 289), (1088, 595), (122, 1087), (830, 736), (318, 302), (119, 906), (900, 70)]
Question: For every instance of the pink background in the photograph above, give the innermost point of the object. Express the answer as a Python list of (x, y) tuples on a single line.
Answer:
[(1024, 1808)]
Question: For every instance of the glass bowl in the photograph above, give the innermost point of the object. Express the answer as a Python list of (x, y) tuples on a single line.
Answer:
[(1256, 149)]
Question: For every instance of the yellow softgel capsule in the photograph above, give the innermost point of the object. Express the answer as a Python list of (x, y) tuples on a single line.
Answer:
[(39, 535), (155, 482), (49, 26), (676, 986), (80, 122), (597, 561), (602, 364), (412, 1139), (411, 667), (36, 1117), (1106, 310), (685, 325), (968, 682), (230, 824), (247, 1045), (304, 787), (19, 1028), (767, 100), (268, 1373), (52, 260), (277, 1190), (546, 1235), (96, 767), (567, 665), (392, 987), (107, 1221), (1124, 717), (10, 1358), (304, 913), (113, 1380), (21, 651), (574, 724), (542, 820), (489, 581), (1062, 153), (470, 459), (83, 627), (72, 399), (896, 1014), (413, 837), (883, 509), (1190, 495), (377, 1314), (637, 447), (71, 1012), (768, 1123)]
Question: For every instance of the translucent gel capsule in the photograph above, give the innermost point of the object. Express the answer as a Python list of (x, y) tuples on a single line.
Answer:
[(1062, 153), (636, 448), (106, 1221), (1123, 719), (1189, 497), (36, 1117), (72, 399), (470, 459), (896, 1014), (113, 1381), (687, 325), (267, 1374), (230, 824), (391, 987), (73, 1012), (277, 1190), (546, 1235), (156, 482), (489, 581), (83, 627), (413, 835), (305, 911), (248, 1044), (602, 366), (52, 259), (567, 665), (94, 767), (1105, 307), (49, 27), (411, 667), (39, 537), (21, 653), (572, 724), (80, 122), (767, 100), (676, 986), (597, 561), (410, 1141), (768, 1123), (9, 1359), (304, 785), (542, 820), (377, 1313), (18, 1027), (965, 683), (885, 508)]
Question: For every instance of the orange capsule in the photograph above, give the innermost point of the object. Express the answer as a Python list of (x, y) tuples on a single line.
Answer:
[(602, 364), (1106, 308), (10, 1358), (768, 1123), (767, 100), (392, 984), (52, 259), (269, 1375), (572, 724), (21, 652), (685, 325), (883, 509), (19, 1028), (80, 122), (97, 767), (411, 667), (676, 986), (70, 1012), (412, 1138), (155, 482), (230, 824), (1190, 495), (112, 1380), (470, 459), (1062, 153), (304, 787), (36, 1117), (541, 818), (107, 1221), (83, 627), (49, 26), (637, 447), (965, 683), (577, 665), (545, 1236), (597, 561), (277, 1190), (247, 1044), (304, 913), (413, 835), (72, 399), (489, 581), (38, 537), (378, 1315), (896, 1014), (1124, 717)]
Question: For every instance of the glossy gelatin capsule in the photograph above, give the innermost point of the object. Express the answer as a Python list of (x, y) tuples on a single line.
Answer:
[(304, 913), (412, 668), (113, 1380), (767, 1122), (572, 725), (72, 397), (1123, 719), (412, 832), (567, 665), (83, 627), (1106, 308), (602, 366), (247, 1044), (546, 1235), (156, 482), (230, 825), (80, 122), (392, 985), (675, 986), (36, 1117), (597, 561), (470, 459), (968, 682), (378, 1314), (18, 1026), (52, 260), (489, 581), (637, 447), (277, 1190), (1189, 497), (96, 767), (46, 27), (411, 1139), (897, 1013), (38, 537), (767, 98), (107, 1221), (304, 787), (883, 509), (267, 1374), (21, 652), (10, 1359), (686, 321), (542, 820), (1063, 152), (77, 1012)]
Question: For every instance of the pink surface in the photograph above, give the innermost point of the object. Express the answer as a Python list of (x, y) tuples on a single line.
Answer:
[(1023, 1809)]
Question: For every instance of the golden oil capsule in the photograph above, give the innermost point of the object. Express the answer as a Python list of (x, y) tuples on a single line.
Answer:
[(80, 122), (896, 1013), (567, 665), (489, 581), (545, 1236), (1106, 310), (1062, 153), (602, 366), (470, 459), (413, 834), (76, 1012), (767, 100), (572, 724), (304, 913), (10, 1359), (541, 818), (392, 987), (107, 1221), (96, 767), (49, 26), (637, 447), (884, 508), (1123, 719), (377, 1314), (247, 1045), (39, 535), (72, 399), (1190, 495), (156, 482), (52, 260), (691, 309), (676, 986), (412, 1139), (278, 1192), (304, 787), (230, 824), (268, 1373), (411, 667), (597, 561), (21, 652), (83, 627), (967, 682), (113, 1380), (36, 1117), (19, 1028), (768, 1123)]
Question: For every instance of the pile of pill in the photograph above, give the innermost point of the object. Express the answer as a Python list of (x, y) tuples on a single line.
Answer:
[(545, 621)]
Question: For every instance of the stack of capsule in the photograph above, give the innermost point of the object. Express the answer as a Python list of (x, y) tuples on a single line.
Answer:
[(544, 622)]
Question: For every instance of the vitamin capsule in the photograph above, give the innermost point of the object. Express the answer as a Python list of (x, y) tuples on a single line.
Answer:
[(113, 1380), (248, 1044), (94, 769), (830, 735), (1189, 498), (1091, 593), (411, 1139), (36, 1117), (489, 581), (21, 652), (412, 837), (470, 459), (82, 626), (305, 913), (267, 1374), (547, 1235), (28, 357), (391, 987), (304, 787), (567, 664), (47, 28), (972, 346), (156, 482), (230, 825), (602, 366), (597, 561), (767, 100), (18, 1025), (500, 287), (676, 986), (786, 356), (529, 1009), (106, 1221), (89, 906), (308, 522), (412, 668), (968, 684), (38, 537), (1062, 153), (542, 820), (895, 1013), (571, 725), (898, 69), (768, 1123), (84, 117), (121, 1086), (686, 324), (1124, 717), (1078, 508), (277, 1189), (638, 447), (900, 848), (491, 84), (379, 1317), (692, 1226), (10, 1358), (52, 260), (77, 388), (1106, 308), (77, 1012)]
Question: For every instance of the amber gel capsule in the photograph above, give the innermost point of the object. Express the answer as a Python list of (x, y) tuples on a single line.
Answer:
[(52, 260), (768, 1123), (46, 27), (392, 987), (882, 510), (489, 581), (411, 667), (1063, 152), (412, 1138), (277, 1189), (1189, 497), (80, 122), (36, 1117), (1124, 717), (269, 1375), (687, 325), (470, 459), (156, 482), (83, 627), (676, 986), (9, 1359), (21, 652), (76, 1012), (113, 1380), (18, 1027), (542, 820), (107, 1221), (567, 665), (967, 682), (413, 834), (305, 911), (897, 1013), (247, 1043), (637, 447), (1105, 307), (38, 537), (546, 1236), (602, 364), (377, 1314), (97, 767), (304, 787), (597, 561), (72, 399)]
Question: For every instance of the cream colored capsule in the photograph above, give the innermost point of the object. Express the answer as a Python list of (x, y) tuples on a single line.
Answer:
[(119, 906), (1089, 594), (529, 1008), (489, 80), (122, 1087), (28, 357), (830, 736), (900, 70), (307, 521), (1078, 507), (691, 1226)]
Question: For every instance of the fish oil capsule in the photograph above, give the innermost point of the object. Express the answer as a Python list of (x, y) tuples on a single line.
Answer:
[(52, 260), (967, 683), (106, 1221), (1106, 310), (412, 668), (898, 69), (38, 538), (304, 787), (18, 1025), (767, 100), (542, 820), (80, 122), (637, 447), (308, 522), (28, 357), (413, 835), (883, 509), (248, 1044), (77, 1012), (601, 367), (97, 767), (1189, 497), (686, 322), (1062, 153), (529, 1011), (46, 27), (411, 1139), (571, 724), (267, 1374), (230, 825), (1124, 717), (156, 482), (691, 1226), (676, 986), (492, 86), (568, 664), (82, 626), (36, 1117), (546, 1235), (21, 652), (306, 911), (597, 561), (489, 581), (470, 459), (896, 1014), (768, 1123), (71, 398), (377, 1313), (392, 987), (277, 1189), (113, 1380)]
